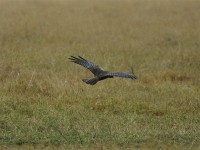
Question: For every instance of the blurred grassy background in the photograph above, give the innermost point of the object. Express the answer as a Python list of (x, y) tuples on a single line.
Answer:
[(44, 103)]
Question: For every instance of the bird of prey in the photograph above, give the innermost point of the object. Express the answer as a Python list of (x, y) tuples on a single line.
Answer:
[(99, 74)]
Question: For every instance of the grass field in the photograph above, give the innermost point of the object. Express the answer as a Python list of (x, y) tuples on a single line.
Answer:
[(45, 105)]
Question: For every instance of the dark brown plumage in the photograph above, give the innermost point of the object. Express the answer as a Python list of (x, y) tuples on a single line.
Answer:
[(99, 74)]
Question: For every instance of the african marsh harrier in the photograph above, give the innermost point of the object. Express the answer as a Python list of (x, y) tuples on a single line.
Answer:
[(99, 74)]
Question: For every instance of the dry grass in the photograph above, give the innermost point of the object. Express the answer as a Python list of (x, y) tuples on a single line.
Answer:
[(44, 103)]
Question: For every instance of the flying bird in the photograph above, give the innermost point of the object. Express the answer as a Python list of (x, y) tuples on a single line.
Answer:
[(99, 74)]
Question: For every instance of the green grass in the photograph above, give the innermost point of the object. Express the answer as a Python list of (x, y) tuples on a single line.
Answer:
[(45, 105)]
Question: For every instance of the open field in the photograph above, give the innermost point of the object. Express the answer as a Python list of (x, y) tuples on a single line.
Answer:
[(45, 105)]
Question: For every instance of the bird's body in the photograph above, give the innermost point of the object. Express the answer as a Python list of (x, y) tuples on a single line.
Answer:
[(99, 74)]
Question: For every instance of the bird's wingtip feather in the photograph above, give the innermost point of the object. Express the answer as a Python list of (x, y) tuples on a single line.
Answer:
[(135, 77), (81, 58)]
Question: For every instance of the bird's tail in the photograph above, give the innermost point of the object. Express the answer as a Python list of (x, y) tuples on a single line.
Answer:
[(91, 81)]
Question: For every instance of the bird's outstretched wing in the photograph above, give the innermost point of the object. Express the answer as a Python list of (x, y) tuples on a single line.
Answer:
[(121, 74), (95, 69)]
